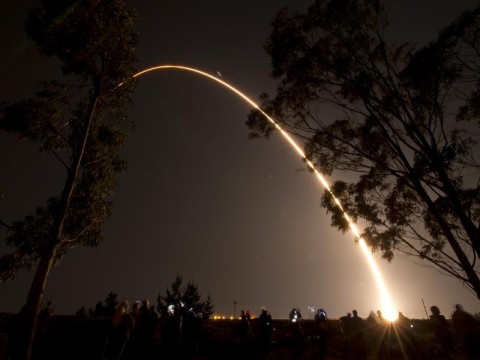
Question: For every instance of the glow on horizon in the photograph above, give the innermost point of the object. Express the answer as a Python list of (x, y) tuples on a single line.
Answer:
[(388, 308)]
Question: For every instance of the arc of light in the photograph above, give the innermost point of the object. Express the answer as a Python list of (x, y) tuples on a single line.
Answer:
[(389, 310)]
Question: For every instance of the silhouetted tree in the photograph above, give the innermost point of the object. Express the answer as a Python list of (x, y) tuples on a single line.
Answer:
[(173, 295), (82, 312), (82, 123), (401, 121), (105, 308), (208, 307), (187, 294)]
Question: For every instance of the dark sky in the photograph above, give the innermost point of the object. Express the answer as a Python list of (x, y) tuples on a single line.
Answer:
[(240, 218)]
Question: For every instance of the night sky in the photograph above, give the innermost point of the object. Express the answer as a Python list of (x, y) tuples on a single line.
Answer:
[(240, 218)]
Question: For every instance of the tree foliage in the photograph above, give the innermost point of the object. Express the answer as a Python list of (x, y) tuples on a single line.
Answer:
[(398, 120), (103, 309), (81, 121), (188, 294), (57, 117)]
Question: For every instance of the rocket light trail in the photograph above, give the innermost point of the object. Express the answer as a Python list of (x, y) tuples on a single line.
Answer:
[(389, 311)]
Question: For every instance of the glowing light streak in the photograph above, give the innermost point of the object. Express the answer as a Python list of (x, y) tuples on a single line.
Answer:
[(388, 307)]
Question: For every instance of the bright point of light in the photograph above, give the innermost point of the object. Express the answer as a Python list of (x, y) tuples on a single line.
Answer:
[(388, 309)]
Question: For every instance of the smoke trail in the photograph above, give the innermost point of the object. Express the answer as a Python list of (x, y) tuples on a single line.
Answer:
[(387, 304)]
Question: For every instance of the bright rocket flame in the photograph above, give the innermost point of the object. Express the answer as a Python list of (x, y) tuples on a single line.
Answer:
[(389, 311)]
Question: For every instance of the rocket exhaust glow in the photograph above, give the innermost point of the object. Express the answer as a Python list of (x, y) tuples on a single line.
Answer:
[(388, 307)]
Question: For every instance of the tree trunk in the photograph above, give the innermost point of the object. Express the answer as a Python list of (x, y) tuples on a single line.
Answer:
[(431, 148), (467, 267), (29, 314), (472, 232)]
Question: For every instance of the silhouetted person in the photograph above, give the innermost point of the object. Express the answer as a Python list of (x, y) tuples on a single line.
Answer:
[(371, 318), (151, 325), (402, 319), (321, 331), (134, 348), (357, 327), (266, 328), (403, 334), (122, 324), (346, 327), (170, 330), (377, 334), (370, 327), (243, 316), (143, 332), (468, 329), (441, 330), (384, 331), (321, 315), (403, 325), (295, 315), (191, 330), (245, 327), (380, 318), (249, 325)]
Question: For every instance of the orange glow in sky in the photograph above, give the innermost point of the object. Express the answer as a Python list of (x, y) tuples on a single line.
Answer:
[(388, 308)]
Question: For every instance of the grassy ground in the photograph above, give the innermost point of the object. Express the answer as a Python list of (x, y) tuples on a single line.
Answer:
[(68, 337)]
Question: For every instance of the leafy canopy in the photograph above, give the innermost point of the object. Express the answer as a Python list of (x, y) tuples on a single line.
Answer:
[(188, 294), (80, 120), (398, 120)]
